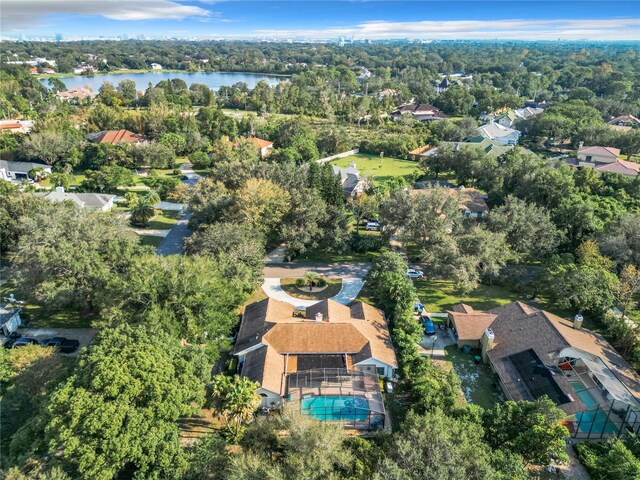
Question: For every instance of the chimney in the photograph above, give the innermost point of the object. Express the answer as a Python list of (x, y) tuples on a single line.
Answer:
[(319, 317), (577, 321), (60, 189), (486, 342)]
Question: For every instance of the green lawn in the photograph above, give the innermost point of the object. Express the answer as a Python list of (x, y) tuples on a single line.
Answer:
[(151, 240), (441, 295), (38, 315), (381, 169), (164, 220), (334, 285), (479, 383)]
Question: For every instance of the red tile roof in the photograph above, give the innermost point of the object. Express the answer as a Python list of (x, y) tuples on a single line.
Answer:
[(9, 126), (608, 151)]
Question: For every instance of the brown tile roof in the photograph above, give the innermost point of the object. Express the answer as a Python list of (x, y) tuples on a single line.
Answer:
[(313, 337), (9, 126), (622, 167), (360, 330), (463, 308), (119, 136), (606, 151), (259, 142), (471, 326)]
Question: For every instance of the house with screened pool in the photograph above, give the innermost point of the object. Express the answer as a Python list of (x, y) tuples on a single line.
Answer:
[(327, 361), (535, 353)]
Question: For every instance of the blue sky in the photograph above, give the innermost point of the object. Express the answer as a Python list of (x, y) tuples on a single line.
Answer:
[(445, 19)]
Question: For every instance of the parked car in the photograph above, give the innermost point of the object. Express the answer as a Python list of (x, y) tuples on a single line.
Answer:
[(69, 346), (388, 387), (53, 342), (13, 337), (413, 273), (429, 327), (372, 226), (24, 341)]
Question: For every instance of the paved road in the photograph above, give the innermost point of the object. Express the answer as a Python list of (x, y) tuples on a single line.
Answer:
[(174, 241), (332, 270)]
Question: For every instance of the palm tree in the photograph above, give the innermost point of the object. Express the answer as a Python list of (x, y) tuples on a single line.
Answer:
[(143, 208), (236, 401)]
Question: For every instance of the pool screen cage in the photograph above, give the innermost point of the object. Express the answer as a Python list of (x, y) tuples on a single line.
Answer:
[(612, 410), (341, 382)]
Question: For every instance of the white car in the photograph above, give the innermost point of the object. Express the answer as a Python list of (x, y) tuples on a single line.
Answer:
[(372, 226), (412, 273)]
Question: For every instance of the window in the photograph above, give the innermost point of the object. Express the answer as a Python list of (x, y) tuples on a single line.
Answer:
[(381, 371), (588, 159)]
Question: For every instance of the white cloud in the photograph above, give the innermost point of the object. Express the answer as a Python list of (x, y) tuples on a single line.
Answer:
[(517, 29), (22, 14)]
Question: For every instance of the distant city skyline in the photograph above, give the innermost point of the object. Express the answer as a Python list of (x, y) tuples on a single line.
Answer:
[(359, 19)]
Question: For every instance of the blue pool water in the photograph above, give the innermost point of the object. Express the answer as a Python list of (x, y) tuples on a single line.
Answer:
[(336, 407), (594, 420)]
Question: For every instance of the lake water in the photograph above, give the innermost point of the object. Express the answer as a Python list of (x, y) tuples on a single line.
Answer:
[(213, 80)]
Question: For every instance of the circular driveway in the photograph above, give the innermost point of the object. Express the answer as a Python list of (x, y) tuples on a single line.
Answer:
[(347, 294)]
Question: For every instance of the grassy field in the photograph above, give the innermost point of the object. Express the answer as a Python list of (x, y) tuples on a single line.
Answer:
[(441, 295), (334, 285), (380, 169), (336, 257)]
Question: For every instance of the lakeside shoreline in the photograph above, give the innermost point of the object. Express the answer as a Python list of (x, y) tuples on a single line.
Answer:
[(44, 76)]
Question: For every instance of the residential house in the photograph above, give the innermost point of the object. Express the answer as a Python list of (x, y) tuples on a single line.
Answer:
[(503, 135), (387, 92), (88, 201), (535, 353), (534, 104), (77, 94), (48, 71), (333, 350), (625, 120), (264, 146), (156, 66), (423, 112), (471, 202), (9, 320), (16, 126), (19, 171), (604, 159), (117, 136), (84, 68), (509, 119), (352, 183), (33, 71)]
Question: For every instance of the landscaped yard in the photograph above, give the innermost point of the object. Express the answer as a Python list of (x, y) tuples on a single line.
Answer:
[(164, 220), (152, 240), (380, 169), (441, 295), (479, 383), (322, 256), (38, 315), (334, 285)]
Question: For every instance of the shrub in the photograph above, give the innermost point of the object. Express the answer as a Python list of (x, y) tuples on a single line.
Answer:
[(366, 243)]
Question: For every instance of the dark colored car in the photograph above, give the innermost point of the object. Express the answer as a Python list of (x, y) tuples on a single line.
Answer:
[(429, 327), (13, 337), (53, 342), (69, 346), (24, 341)]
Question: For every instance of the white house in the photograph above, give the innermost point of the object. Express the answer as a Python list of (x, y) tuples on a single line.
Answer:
[(19, 171), (156, 66), (9, 320), (16, 126), (88, 201), (350, 179), (499, 133)]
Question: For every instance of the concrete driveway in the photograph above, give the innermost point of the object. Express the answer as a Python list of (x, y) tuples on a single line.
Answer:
[(347, 294), (83, 335), (330, 270)]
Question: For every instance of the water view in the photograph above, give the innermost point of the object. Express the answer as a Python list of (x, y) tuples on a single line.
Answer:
[(213, 80)]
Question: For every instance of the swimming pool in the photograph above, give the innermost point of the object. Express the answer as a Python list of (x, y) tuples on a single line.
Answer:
[(594, 420), (336, 407)]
